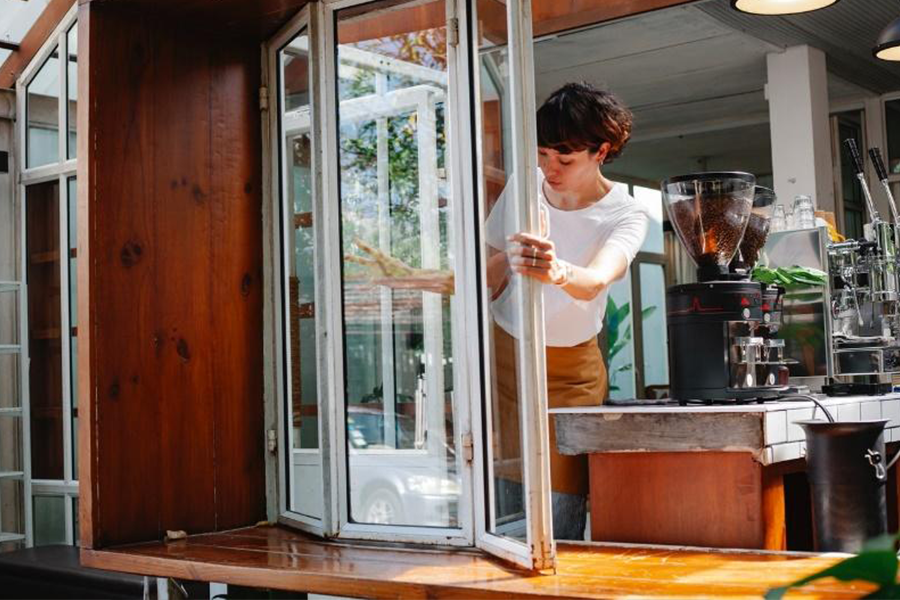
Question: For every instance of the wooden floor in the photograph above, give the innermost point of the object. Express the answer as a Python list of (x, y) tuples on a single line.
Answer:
[(273, 557)]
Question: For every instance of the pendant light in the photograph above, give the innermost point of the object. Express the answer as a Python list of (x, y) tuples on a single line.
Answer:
[(780, 7), (888, 46)]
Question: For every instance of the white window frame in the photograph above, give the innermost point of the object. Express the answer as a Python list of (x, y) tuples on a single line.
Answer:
[(62, 170), (470, 360)]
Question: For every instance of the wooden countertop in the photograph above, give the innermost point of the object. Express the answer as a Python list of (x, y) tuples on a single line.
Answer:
[(767, 431), (275, 557)]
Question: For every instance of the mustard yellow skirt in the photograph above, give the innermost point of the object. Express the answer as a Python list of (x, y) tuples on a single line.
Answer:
[(576, 376)]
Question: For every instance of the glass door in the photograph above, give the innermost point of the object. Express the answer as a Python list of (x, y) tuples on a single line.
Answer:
[(513, 510)]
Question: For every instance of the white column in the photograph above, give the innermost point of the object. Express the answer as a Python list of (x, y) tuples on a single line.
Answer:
[(797, 91)]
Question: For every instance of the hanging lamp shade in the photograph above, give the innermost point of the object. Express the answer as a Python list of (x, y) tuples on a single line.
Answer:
[(888, 46), (780, 7)]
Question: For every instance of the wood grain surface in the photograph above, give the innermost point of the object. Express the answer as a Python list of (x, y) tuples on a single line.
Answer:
[(581, 433), (714, 499), (172, 202), (271, 557)]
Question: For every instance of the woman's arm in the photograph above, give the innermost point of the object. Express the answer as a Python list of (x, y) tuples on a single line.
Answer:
[(535, 257)]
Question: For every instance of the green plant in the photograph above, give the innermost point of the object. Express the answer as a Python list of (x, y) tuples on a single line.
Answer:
[(877, 564), (617, 336)]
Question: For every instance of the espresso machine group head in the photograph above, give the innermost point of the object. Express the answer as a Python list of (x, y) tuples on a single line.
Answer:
[(720, 347)]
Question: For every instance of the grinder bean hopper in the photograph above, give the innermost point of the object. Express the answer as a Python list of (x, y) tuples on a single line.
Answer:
[(717, 351)]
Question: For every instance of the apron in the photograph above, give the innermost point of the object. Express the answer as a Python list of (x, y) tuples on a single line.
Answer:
[(576, 376)]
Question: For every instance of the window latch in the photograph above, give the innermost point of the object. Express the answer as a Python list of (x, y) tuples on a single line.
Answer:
[(263, 98), (468, 447), (453, 31), (271, 441)]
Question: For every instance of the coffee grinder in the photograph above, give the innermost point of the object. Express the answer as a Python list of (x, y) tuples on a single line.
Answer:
[(717, 348)]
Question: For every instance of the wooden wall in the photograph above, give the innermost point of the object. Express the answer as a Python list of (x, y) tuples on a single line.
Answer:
[(171, 227)]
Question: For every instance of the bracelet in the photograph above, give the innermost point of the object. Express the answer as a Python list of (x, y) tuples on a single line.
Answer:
[(567, 274)]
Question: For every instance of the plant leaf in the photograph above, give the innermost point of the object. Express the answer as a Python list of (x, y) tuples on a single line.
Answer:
[(648, 311), (877, 566)]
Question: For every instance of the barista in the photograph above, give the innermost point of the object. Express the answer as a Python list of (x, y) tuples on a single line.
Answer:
[(591, 232)]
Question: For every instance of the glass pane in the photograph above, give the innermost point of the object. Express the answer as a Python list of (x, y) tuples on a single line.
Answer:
[(9, 316), (652, 199), (72, 92), (76, 522), (653, 319), (850, 125), (306, 463), (10, 396), (397, 269), (11, 459), (506, 508), (12, 506), (73, 314), (49, 520), (892, 122), (619, 342), (42, 107), (44, 335)]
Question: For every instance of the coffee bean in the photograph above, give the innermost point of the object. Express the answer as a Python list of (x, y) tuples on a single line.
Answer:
[(710, 227)]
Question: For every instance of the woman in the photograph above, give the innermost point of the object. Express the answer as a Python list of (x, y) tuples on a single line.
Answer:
[(594, 229)]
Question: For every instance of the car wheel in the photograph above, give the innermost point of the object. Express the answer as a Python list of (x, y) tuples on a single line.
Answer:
[(382, 508)]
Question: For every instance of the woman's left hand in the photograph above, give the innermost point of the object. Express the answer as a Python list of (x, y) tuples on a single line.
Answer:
[(535, 256)]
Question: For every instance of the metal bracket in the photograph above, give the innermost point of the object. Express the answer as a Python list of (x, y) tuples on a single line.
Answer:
[(263, 98), (468, 447), (272, 441)]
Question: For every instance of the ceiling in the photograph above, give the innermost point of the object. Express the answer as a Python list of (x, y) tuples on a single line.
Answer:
[(695, 76)]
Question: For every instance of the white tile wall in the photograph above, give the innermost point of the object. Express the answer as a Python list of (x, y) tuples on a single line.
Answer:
[(848, 412), (789, 451), (891, 410), (795, 432), (870, 411), (776, 427)]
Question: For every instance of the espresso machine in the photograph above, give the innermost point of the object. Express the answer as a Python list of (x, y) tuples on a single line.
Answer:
[(723, 344), (865, 303)]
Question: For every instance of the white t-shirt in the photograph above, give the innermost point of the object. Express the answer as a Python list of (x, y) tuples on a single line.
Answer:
[(616, 220)]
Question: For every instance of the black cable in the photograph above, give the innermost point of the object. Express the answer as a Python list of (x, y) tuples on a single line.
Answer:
[(812, 399)]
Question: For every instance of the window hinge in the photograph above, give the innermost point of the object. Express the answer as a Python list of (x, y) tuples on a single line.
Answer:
[(264, 98), (271, 441), (453, 31), (468, 448)]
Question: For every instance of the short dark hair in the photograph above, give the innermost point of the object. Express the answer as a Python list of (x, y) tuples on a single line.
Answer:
[(579, 117)]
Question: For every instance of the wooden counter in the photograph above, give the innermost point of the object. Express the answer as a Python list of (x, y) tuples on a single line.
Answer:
[(274, 557), (717, 476)]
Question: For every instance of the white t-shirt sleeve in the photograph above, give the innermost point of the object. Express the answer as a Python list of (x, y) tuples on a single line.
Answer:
[(629, 232)]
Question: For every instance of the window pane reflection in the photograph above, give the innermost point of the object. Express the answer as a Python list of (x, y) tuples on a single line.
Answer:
[(306, 463), (72, 90), (42, 108), (397, 267), (506, 507)]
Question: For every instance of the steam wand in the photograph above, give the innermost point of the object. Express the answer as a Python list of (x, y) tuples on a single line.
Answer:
[(878, 163)]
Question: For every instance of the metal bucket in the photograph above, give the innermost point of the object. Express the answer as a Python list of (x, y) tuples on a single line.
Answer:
[(847, 471)]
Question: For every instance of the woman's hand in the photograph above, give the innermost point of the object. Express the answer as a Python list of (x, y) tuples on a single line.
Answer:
[(535, 256)]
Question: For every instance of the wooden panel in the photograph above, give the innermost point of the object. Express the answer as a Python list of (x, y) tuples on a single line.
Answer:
[(40, 31), (173, 208), (715, 499), (276, 558), (237, 279), (257, 20)]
